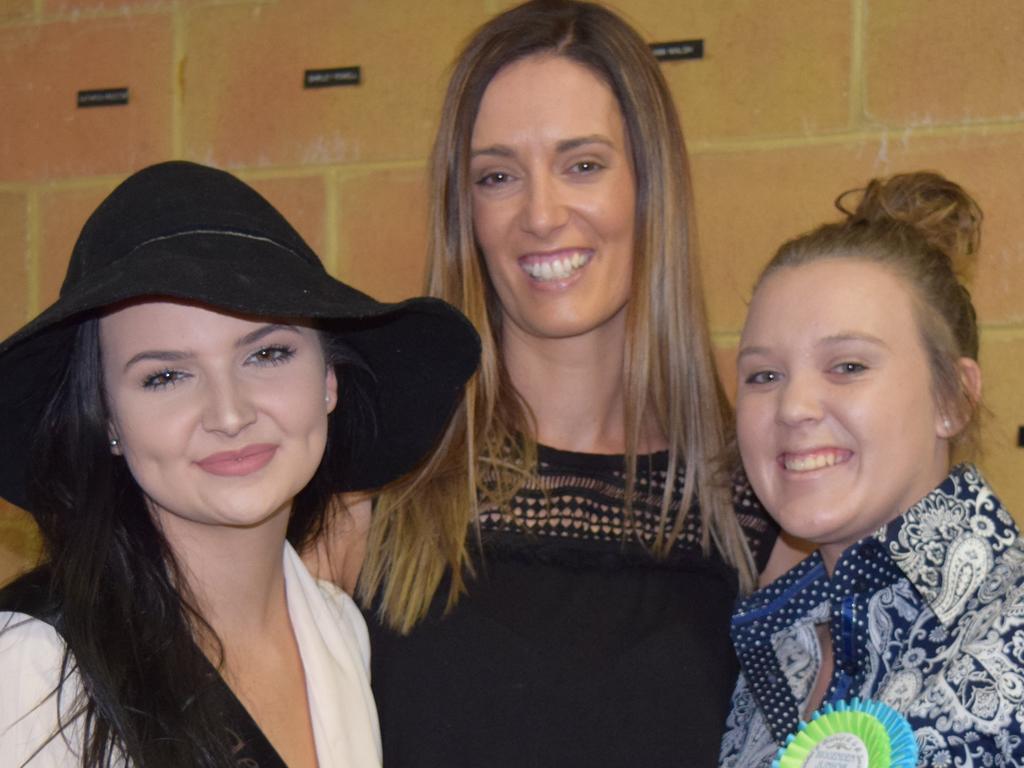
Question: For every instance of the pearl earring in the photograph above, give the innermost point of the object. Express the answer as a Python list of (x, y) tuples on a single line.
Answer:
[(114, 443)]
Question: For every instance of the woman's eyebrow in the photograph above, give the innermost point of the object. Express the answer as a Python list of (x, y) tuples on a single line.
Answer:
[(832, 338), (567, 145), (495, 150), (177, 355), (839, 338), (564, 145), (747, 351), (160, 355), (262, 332)]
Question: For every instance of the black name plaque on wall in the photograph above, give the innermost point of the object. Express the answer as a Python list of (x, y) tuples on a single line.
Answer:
[(678, 50), (103, 97), (328, 78)]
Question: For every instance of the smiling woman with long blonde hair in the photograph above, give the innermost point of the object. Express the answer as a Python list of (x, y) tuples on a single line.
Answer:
[(552, 587)]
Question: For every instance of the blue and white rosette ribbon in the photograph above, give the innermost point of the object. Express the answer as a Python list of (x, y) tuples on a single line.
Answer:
[(853, 734)]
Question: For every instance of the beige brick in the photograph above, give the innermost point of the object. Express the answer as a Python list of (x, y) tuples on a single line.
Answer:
[(302, 200), (783, 71), (244, 101), (725, 362), (44, 67), (19, 542), (943, 61), (62, 213), (60, 7), (382, 232), (14, 285), (749, 203), (16, 10), (1002, 364)]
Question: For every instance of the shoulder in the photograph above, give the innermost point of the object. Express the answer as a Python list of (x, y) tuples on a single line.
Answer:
[(31, 648), (31, 664), (322, 604), (31, 594), (29, 644), (348, 615)]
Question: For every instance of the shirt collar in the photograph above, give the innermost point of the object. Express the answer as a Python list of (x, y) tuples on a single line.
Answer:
[(947, 544), (944, 546)]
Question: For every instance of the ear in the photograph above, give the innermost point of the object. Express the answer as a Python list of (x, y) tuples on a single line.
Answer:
[(331, 389), (953, 419)]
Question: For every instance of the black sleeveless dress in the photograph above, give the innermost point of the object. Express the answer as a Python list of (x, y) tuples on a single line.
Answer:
[(574, 646)]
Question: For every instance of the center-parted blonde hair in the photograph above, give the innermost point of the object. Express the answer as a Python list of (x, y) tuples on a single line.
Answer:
[(421, 526)]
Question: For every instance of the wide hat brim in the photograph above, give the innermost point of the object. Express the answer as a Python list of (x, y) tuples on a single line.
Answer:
[(420, 352)]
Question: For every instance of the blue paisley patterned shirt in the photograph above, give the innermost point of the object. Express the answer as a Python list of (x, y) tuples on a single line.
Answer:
[(926, 615)]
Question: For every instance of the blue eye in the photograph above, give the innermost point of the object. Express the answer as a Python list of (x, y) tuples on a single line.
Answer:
[(762, 377), (276, 354), (494, 179), (162, 379), (586, 166), (849, 368)]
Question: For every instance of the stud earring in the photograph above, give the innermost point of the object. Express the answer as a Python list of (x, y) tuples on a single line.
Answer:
[(114, 442), (946, 423)]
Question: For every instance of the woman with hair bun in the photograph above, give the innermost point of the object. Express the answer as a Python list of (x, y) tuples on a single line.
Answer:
[(901, 638), (553, 588)]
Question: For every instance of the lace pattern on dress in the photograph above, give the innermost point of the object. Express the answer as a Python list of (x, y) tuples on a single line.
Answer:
[(579, 497)]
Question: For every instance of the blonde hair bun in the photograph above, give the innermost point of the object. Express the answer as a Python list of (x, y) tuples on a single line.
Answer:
[(940, 210)]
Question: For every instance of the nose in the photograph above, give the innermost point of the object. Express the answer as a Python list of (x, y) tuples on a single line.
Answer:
[(800, 400), (227, 408), (544, 209)]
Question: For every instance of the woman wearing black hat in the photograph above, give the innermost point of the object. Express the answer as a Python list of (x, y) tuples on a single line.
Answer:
[(176, 423)]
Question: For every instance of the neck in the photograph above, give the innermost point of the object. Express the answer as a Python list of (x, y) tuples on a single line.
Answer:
[(235, 575), (575, 389), (927, 481)]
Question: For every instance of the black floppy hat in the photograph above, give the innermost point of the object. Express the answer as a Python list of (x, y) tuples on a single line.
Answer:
[(183, 231)]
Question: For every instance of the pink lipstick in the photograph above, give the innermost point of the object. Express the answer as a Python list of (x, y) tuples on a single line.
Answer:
[(239, 463)]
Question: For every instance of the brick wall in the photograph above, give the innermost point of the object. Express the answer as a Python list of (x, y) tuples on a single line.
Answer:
[(794, 101)]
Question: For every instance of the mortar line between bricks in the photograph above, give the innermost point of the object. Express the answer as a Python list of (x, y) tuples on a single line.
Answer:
[(33, 250), (725, 338), (858, 82), (177, 75), (344, 170), (953, 130), (331, 214), (1002, 332), (90, 14)]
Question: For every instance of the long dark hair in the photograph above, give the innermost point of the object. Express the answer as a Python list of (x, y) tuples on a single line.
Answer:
[(123, 607)]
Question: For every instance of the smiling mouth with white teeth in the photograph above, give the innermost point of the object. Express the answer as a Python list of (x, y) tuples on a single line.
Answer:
[(555, 268), (810, 461)]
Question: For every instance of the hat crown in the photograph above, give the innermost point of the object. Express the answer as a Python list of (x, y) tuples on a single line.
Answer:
[(171, 200)]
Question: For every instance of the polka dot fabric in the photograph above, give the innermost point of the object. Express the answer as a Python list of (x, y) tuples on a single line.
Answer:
[(926, 615)]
